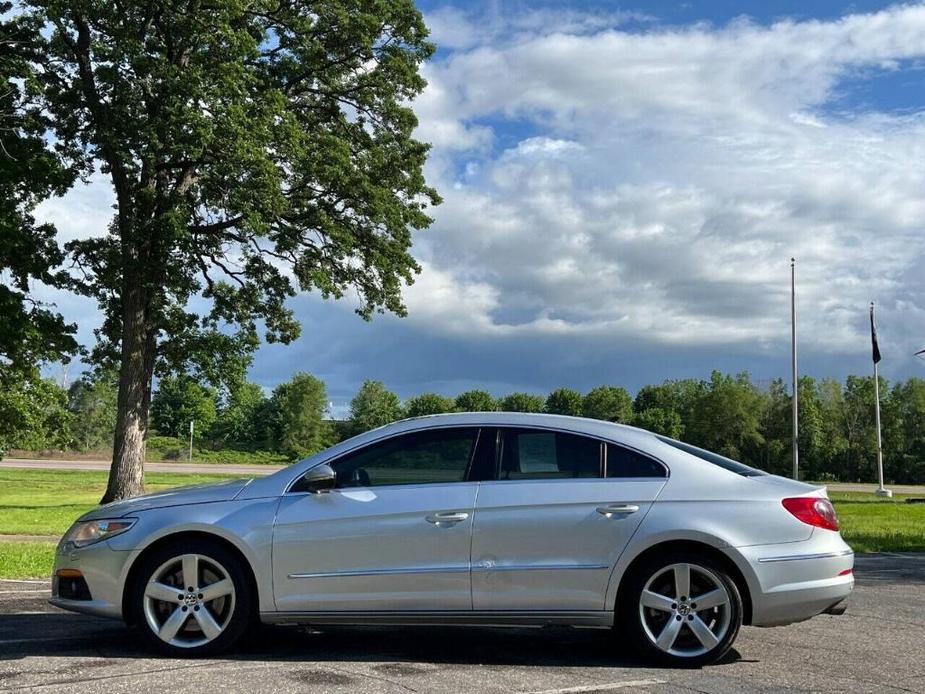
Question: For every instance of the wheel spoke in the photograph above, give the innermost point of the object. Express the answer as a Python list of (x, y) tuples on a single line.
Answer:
[(216, 590), (667, 638), (164, 593), (682, 580), (702, 632), (715, 598), (173, 624), (190, 571), (207, 623), (656, 601)]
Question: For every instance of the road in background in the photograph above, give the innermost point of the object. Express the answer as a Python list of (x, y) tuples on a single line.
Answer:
[(875, 646)]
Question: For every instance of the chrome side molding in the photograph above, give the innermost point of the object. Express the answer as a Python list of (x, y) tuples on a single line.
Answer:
[(797, 557)]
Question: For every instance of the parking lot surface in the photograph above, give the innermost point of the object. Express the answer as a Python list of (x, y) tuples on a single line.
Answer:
[(877, 645)]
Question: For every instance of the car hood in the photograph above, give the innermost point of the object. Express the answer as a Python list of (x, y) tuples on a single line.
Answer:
[(181, 496)]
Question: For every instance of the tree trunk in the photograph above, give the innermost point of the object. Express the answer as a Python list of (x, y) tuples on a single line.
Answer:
[(126, 476)]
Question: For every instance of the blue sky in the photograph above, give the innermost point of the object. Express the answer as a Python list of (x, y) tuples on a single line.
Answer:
[(624, 186)]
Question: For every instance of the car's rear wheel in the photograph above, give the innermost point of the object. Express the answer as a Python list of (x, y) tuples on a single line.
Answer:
[(681, 610), (192, 598)]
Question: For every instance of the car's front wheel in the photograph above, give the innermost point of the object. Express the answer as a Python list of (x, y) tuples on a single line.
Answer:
[(192, 598), (681, 609)]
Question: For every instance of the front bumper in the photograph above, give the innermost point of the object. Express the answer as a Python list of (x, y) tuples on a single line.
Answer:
[(798, 580), (102, 569)]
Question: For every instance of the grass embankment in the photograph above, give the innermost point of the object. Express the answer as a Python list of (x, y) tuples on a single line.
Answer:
[(45, 502), (870, 523)]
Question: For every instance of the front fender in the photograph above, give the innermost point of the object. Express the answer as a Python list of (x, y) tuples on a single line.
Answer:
[(245, 524)]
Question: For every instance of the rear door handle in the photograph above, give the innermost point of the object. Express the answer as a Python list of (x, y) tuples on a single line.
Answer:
[(447, 518), (617, 510)]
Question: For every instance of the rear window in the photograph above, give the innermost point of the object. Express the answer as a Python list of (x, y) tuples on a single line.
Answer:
[(714, 458), (623, 462)]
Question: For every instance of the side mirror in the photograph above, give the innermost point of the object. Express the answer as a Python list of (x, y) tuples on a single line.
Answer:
[(317, 480)]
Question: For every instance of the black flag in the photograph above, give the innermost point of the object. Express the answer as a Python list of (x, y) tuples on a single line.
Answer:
[(873, 337)]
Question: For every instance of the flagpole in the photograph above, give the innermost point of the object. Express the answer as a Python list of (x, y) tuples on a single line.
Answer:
[(793, 352), (881, 490)]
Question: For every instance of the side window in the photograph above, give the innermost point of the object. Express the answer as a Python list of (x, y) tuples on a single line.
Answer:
[(623, 462), (536, 455), (440, 455)]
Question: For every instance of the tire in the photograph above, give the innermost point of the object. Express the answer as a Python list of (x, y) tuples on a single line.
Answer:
[(669, 627), (207, 620)]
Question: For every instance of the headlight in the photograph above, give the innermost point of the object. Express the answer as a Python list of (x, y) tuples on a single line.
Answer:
[(85, 533)]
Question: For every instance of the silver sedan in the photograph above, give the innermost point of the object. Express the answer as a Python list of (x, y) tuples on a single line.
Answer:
[(483, 518)]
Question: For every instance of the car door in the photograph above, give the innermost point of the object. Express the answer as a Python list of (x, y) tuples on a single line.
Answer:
[(552, 525), (393, 534)]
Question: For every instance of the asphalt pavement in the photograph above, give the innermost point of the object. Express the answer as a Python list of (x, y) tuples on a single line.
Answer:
[(877, 645)]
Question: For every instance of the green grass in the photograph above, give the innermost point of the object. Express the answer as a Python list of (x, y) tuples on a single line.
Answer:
[(872, 524), (26, 559), (46, 502)]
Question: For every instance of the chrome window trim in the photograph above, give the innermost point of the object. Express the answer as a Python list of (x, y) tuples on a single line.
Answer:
[(499, 428), (797, 557)]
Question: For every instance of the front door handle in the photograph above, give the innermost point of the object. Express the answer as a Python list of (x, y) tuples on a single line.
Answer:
[(447, 518), (617, 510)]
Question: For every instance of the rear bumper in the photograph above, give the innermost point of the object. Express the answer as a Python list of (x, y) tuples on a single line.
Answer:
[(798, 580)]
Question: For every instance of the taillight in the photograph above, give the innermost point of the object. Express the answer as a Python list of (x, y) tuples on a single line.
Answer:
[(813, 510)]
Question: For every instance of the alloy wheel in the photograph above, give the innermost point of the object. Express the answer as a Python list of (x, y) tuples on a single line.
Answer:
[(685, 610), (189, 600)]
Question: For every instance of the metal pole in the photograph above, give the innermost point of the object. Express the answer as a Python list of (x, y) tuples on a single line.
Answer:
[(881, 491), (793, 349), (191, 441)]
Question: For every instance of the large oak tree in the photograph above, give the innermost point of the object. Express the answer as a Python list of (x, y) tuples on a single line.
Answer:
[(30, 172), (256, 148)]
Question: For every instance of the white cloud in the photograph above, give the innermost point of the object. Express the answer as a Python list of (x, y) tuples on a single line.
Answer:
[(665, 178)]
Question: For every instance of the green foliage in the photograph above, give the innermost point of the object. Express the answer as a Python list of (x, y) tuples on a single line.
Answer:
[(726, 417), (522, 402), (610, 403), (180, 400), (30, 172), (170, 448), (476, 401), (241, 419), (660, 421), (429, 403), (563, 401), (92, 402), (373, 406), (34, 415), (297, 416)]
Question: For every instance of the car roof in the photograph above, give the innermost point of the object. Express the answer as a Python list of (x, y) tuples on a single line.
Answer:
[(620, 433)]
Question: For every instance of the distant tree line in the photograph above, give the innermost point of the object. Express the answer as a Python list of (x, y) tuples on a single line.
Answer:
[(729, 414)]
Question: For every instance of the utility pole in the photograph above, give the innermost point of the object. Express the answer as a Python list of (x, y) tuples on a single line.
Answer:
[(793, 352), (191, 441)]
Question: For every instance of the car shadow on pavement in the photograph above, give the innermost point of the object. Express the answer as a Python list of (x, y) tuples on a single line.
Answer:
[(398, 649)]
